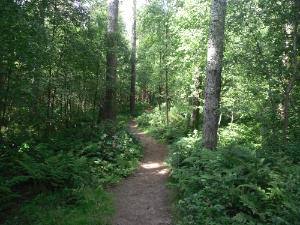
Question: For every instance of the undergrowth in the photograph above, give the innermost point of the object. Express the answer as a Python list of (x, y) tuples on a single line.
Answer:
[(61, 179), (155, 124), (240, 183)]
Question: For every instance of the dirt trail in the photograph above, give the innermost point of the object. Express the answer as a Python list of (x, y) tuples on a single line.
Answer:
[(143, 199)]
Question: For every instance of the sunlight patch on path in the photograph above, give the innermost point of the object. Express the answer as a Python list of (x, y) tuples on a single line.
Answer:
[(143, 198), (163, 171), (151, 165), (161, 167)]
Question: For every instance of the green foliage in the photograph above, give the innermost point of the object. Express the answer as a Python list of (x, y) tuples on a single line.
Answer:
[(54, 158), (83, 206), (53, 170), (233, 185), (155, 123), (292, 150), (68, 170), (186, 146), (113, 156), (253, 177), (240, 134), (52, 79)]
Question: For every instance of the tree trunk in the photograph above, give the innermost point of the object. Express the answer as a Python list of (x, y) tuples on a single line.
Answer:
[(111, 61), (5, 100), (2, 101), (167, 74), (195, 120), (214, 70), (48, 113), (291, 83), (167, 95), (160, 88), (133, 62)]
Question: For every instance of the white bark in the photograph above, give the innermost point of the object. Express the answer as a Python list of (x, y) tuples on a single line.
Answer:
[(133, 61), (214, 70), (113, 11)]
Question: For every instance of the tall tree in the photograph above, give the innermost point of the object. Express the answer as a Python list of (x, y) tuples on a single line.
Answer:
[(195, 119), (213, 76), (167, 72), (294, 73), (133, 62), (166, 56), (111, 60)]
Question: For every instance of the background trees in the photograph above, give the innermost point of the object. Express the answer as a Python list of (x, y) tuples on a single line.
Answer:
[(258, 121), (53, 68), (59, 79), (258, 64), (52, 94)]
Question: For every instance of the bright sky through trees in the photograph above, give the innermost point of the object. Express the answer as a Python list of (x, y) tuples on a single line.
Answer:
[(126, 12), (218, 83)]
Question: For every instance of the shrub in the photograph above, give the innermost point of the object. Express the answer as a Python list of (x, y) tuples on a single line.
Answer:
[(235, 185), (37, 171), (155, 123), (63, 168), (113, 156), (240, 134), (83, 206), (183, 148)]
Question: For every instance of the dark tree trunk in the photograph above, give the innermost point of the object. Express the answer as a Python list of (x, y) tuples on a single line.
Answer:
[(5, 99), (195, 119), (214, 70), (167, 74), (48, 113), (159, 97), (96, 93), (160, 88), (291, 82), (133, 62), (167, 95), (111, 58)]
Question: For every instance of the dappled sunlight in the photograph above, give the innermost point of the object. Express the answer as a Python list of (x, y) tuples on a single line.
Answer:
[(158, 168), (151, 165), (163, 171)]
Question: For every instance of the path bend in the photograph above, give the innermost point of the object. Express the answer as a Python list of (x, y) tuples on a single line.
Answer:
[(143, 198)]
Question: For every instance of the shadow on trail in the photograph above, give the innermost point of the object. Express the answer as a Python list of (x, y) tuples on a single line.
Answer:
[(143, 199)]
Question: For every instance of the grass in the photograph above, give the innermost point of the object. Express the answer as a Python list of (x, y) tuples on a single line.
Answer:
[(62, 182), (87, 206)]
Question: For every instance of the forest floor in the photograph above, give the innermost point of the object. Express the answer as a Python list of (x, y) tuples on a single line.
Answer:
[(143, 198)]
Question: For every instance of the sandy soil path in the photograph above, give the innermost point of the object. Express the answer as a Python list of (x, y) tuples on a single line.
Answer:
[(143, 199)]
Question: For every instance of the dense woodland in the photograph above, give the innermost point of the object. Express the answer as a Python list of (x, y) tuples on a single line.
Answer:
[(217, 80)]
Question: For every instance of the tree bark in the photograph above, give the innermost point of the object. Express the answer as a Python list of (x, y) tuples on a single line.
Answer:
[(195, 120), (5, 99), (167, 95), (111, 58), (214, 71), (160, 88), (167, 73), (133, 62), (291, 83)]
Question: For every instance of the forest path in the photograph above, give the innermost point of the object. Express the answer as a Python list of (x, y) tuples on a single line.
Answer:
[(143, 198)]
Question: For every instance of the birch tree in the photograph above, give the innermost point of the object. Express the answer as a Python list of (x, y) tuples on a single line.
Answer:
[(213, 76), (133, 62)]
